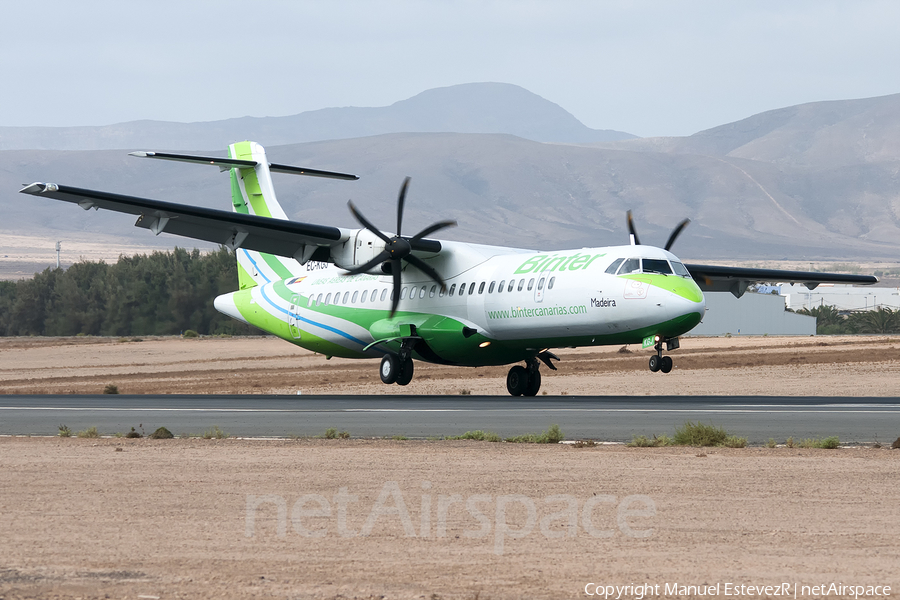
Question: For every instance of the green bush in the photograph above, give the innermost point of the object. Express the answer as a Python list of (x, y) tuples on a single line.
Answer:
[(829, 443), (111, 389), (64, 431), (553, 435), (133, 433), (190, 333), (698, 434), (771, 443), (90, 432), (481, 436), (642, 441), (732, 441), (161, 434)]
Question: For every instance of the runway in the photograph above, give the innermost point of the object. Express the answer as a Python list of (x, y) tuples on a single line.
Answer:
[(605, 418)]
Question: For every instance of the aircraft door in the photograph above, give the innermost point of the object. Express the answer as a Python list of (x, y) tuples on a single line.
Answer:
[(292, 317), (540, 289)]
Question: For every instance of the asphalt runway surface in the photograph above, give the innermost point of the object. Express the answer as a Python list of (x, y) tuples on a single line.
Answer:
[(607, 418)]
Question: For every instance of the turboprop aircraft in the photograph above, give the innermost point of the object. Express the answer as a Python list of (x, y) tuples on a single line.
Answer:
[(363, 293)]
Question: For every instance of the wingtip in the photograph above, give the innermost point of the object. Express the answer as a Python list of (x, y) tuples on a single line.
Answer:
[(38, 188), (141, 154)]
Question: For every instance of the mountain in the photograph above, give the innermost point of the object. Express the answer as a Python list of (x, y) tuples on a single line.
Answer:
[(467, 108), (816, 181)]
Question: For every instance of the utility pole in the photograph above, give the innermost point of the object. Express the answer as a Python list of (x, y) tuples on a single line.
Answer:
[(57, 255)]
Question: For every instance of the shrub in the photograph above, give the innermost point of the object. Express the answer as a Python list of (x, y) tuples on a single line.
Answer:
[(553, 435), (771, 443), (64, 431), (584, 444), (90, 432), (829, 443), (214, 433), (190, 333), (111, 388), (789, 442), (481, 436), (399, 437), (732, 441), (133, 434), (698, 434), (642, 441), (161, 434)]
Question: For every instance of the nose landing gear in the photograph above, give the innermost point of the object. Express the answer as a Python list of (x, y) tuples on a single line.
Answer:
[(658, 362)]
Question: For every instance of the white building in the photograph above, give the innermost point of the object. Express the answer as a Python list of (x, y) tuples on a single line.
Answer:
[(751, 314), (842, 297)]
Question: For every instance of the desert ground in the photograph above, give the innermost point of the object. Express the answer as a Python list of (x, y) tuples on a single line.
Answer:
[(316, 518), (804, 366)]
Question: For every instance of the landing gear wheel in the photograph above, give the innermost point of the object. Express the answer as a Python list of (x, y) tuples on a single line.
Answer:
[(517, 380), (654, 363), (406, 372), (390, 368), (665, 364), (534, 383)]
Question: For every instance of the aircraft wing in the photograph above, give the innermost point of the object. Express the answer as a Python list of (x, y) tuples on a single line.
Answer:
[(231, 229), (713, 278)]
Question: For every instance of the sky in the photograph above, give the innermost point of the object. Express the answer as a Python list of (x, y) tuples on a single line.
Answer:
[(649, 68)]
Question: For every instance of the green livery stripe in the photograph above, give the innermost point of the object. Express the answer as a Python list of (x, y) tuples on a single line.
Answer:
[(245, 280), (681, 286), (276, 265), (237, 198)]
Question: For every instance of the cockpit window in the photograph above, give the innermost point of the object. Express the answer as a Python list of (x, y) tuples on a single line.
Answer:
[(680, 269), (611, 269), (657, 265), (632, 265)]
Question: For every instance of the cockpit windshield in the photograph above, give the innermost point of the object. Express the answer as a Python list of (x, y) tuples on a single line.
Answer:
[(657, 265), (647, 265)]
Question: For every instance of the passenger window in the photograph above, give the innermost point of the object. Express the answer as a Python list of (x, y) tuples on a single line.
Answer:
[(319, 299), (393, 293), (550, 283), (471, 288), (452, 289), (541, 283), (512, 282), (491, 289), (403, 293), (657, 265), (346, 297), (353, 299), (611, 269), (422, 293), (462, 289), (431, 292), (441, 293), (480, 288), (522, 284), (500, 287), (530, 284), (632, 265), (362, 299), (309, 301), (384, 294), (327, 299)]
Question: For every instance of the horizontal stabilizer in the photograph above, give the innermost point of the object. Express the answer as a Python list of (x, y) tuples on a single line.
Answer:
[(234, 163)]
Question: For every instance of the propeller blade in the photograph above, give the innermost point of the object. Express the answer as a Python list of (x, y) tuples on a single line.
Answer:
[(382, 256), (431, 229), (631, 229), (395, 270), (676, 232), (425, 268), (365, 223), (401, 200)]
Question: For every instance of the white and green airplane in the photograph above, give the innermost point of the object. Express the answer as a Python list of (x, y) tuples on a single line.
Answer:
[(362, 293)]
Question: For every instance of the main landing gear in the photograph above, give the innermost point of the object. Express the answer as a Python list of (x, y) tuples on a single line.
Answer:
[(524, 381), (658, 362), (398, 368)]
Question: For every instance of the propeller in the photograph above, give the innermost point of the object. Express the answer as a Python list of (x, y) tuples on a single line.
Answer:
[(675, 232), (398, 248)]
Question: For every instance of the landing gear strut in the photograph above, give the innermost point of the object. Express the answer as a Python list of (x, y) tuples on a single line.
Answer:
[(658, 362), (524, 381), (398, 368)]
